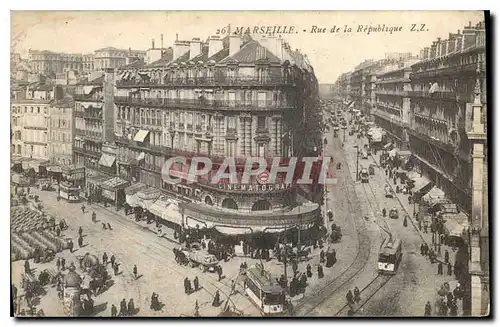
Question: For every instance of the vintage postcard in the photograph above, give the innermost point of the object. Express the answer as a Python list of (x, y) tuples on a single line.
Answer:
[(274, 164)]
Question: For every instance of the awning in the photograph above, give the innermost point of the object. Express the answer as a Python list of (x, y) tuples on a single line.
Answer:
[(234, 230), (447, 208), (167, 210), (131, 194), (115, 183), (19, 179), (141, 135), (107, 160), (88, 88), (457, 224), (422, 185), (434, 195), (134, 188), (54, 169), (404, 153)]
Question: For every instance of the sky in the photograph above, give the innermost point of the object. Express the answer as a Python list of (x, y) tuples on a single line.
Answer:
[(331, 54)]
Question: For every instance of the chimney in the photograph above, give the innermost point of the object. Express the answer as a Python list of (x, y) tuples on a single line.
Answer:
[(214, 45), (234, 44), (176, 36), (152, 43), (180, 48), (195, 48), (162, 41)]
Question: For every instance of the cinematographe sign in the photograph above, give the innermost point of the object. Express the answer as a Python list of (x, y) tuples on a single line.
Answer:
[(253, 187)]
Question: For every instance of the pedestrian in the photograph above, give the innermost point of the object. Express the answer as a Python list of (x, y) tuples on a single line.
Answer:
[(309, 271), (114, 311), (219, 272), (27, 268), (83, 208), (349, 297), (449, 268), (131, 307), (350, 312), (58, 231), (419, 224), (454, 309), (322, 256), (28, 190), (440, 268), (320, 271), (123, 308), (105, 258), (425, 228), (80, 241), (422, 247), (70, 245), (295, 266), (196, 284), (216, 301), (384, 212), (433, 239), (357, 298), (135, 271), (58, 263), (449, 299), (303, 282), (109, 226), (104, 226), (446, 256), (394, 179), (186, 281), (405, 221), (94, 216), (63, 264), (112, 260), (428, 309), (115, 268), (80, 231)]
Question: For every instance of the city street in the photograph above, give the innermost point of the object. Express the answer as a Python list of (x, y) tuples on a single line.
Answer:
[(416, 281)]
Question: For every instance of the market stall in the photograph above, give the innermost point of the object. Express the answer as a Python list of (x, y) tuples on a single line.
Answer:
[(113, 190), (69, 192), (455, 226), (131, 194)]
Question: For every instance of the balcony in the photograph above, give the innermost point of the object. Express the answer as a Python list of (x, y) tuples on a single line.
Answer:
[(87, 97), (442, 95), (392, 92), (89, 135), (258, 105), (86, 151), (210, 81), (198, 128), (87, 115), (446, 71)]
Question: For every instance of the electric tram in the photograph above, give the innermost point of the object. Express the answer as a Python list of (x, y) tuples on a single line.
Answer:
[(389, 256), (264, 291)]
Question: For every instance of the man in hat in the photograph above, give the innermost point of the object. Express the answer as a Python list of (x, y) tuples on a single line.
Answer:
[(196, 284), (123, 308), (114, 311), (131, 307), (135, 271), (428, 309)]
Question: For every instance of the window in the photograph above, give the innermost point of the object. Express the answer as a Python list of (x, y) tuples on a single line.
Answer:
[(208, 200), (231, 123), (38, 109), (31, 109), (261, 122), (261, 205), (229, 203)]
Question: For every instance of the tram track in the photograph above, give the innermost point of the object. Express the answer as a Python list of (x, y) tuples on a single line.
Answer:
[(366, 294), (310, 303), (156, 251)]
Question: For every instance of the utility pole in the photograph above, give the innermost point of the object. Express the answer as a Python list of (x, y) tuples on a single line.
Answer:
[(357, 162)]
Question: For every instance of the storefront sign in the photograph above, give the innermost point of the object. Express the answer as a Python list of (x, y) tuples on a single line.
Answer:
[(254, 187)]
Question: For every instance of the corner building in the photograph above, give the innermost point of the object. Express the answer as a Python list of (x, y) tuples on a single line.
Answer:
[(226, 97)]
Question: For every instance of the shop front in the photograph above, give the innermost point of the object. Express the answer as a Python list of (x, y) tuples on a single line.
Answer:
[(131, 199)]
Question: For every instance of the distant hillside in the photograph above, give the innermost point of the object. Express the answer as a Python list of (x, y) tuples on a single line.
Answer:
[(325, 91)]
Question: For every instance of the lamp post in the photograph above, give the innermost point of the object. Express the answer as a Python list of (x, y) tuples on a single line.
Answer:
[(357, 162)]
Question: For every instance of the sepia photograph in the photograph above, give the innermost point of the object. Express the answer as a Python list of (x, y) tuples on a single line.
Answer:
[(275, 164)]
